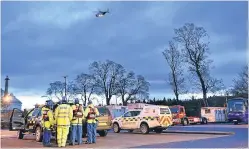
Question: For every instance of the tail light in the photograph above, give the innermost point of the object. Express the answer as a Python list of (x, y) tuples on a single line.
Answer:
[(110, 120)]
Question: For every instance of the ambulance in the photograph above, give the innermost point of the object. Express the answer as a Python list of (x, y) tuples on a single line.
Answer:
[(146, 119)]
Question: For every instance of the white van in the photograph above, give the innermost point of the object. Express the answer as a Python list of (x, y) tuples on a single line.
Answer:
[(149, 118), (214, 114)]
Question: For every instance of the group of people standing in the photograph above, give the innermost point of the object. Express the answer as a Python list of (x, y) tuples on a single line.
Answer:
[(68, 120)]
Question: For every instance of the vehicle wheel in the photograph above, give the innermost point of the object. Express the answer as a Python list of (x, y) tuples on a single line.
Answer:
[(38, 134), (185, 122), (158, 130), (103, 133), (204, 121), (20, 134), (144, 128), (116, 128)]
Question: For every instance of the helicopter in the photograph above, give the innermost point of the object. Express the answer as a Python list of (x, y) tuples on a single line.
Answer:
[(101, 13)]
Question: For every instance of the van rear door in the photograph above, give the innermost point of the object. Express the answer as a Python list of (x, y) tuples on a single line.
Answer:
[(165, 116), (17, 121), (104, 119)]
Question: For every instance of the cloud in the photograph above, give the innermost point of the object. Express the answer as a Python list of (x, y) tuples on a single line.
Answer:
[(42, 41), (62, 15)]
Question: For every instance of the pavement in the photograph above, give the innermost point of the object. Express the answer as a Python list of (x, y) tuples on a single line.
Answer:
[(152, 140)]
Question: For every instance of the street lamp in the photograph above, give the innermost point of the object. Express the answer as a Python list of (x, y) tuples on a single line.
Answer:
[(65, 77), (6, 100)]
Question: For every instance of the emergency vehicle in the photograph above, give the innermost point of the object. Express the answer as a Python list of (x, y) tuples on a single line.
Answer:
[(29, 122), (180, 117), (146, 119)]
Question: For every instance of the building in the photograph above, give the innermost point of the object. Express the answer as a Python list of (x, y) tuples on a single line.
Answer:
[(13, 101)]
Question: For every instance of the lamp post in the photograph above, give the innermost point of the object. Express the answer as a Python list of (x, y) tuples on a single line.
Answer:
[(65, 77)]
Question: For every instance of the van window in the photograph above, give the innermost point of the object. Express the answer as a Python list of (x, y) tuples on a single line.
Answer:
[(135, 113), (207, 111), (128, 114), (164, 111)]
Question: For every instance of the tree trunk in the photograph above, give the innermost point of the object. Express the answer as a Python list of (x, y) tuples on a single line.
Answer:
[(123, 100), (205, 98), (125, 103), (175, 87), (203, 86), (108, 101), (84, 102), (177, 97)]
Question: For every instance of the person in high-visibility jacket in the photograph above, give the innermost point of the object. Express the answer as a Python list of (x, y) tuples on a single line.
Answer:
[(91, 114), (47, 122), (63, 116), (76, 123)]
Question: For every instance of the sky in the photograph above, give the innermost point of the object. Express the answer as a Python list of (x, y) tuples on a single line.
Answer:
[(43, 41)]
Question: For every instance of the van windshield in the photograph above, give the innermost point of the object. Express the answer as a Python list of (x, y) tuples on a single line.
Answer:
[(164, 111), (174, 110)]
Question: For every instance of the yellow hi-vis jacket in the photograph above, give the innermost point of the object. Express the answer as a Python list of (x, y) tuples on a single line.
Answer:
[(87, 110), (63, 115), (78, 115), (47, 118)]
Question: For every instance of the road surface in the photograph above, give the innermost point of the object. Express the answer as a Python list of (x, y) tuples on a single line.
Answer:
[(238, 140)]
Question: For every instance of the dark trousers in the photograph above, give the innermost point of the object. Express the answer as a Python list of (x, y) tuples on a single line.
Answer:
[(76, 134), (46, 136), (91, 132)]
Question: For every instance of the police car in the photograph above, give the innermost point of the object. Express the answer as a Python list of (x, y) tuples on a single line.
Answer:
[(27, 122), (149, 118)]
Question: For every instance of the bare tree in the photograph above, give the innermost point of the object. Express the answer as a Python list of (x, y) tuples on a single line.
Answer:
[(86, 86), (240, 87), (72, 90), (195, 50), (174, 60), (131, 87), (106, 75), (126, 82), (57, 89)]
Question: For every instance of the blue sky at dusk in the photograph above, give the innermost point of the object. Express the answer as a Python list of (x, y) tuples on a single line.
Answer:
[(42, 41)]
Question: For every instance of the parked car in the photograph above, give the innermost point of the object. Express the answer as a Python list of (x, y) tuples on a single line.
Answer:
[(30, 123)]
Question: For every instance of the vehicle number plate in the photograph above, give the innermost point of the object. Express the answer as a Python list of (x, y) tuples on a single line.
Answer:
[(102, 124), (235, 120), (30, 127)]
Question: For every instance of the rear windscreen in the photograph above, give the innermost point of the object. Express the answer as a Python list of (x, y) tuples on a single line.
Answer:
[(164, 111), (104, 111)]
